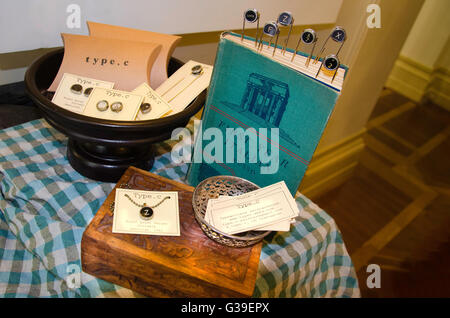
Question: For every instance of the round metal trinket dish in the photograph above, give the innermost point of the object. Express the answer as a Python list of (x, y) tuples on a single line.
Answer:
[(212, 188)]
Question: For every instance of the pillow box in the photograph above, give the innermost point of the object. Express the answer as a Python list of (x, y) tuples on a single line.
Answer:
[(168, 43), (126, 63)]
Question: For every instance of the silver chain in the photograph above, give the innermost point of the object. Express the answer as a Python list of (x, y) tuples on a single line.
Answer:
[(144, 205)]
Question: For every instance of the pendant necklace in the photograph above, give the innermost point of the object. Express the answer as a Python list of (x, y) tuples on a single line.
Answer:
[(146, 212)]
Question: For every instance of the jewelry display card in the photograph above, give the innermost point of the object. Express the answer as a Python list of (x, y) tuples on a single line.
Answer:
[(168, 43), (185, 85), (73, 91), (254, 210), (282, 226), (146, 212), (113, 104), (153, 105), (126, 63)]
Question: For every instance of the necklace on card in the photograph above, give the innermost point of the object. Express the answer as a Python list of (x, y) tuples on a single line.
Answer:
[(146, 211)]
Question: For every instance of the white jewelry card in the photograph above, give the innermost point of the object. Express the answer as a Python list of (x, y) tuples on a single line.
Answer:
[(156, 107), (73, 91), (282, 226), (180, 89), (130, 218), (258, 209), (113, 104)]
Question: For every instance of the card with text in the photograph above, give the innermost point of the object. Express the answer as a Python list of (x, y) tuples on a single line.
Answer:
[(254, 210), (73, 91), (182, 87), (146, 212), (153, 105), (113, 104), (282, 226)]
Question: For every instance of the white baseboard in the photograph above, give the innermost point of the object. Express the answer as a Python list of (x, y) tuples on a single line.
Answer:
[(439, 89), (409, 78), (419, 82)]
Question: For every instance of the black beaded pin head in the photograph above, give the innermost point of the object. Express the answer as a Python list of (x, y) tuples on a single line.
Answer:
[(250, 16), (286, 19), (307, 37), (272, 30), (331, 63), (338, 35)]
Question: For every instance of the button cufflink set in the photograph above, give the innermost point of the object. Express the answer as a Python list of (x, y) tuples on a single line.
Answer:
[(146, 107), (77, 89), (103, 105), (308, 37)]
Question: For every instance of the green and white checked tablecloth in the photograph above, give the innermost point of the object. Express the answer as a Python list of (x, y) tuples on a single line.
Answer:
[(45, 205)]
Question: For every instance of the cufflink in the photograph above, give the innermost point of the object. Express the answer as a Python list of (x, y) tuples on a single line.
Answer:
[(88, 91), (102, 105), (146, 108), (197, 69), (76, 89), (116, 107)]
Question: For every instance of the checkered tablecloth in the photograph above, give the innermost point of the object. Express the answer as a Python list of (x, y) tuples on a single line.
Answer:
[(45, 205)]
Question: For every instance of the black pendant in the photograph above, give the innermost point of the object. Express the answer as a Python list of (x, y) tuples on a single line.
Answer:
[(146, 213)]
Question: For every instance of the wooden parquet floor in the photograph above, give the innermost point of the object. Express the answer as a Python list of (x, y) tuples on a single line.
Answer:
[(395, 209)]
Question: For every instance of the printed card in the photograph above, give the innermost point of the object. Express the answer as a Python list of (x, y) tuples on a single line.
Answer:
[(282, 226), (180, 89), (73, 91), (146, 212), (254, 210), (113, 104), (153, 105)]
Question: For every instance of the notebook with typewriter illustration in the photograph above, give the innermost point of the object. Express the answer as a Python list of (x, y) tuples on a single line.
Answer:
[(264, 114)]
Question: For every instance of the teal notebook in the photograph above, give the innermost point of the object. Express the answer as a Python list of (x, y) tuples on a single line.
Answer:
[(264, 115)]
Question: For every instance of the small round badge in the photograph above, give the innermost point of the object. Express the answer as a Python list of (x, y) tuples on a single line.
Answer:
[(116, 107), (76, 89), (146, 108), (102, 105)]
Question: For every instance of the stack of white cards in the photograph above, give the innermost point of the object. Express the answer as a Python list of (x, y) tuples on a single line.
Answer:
[(267, 209)]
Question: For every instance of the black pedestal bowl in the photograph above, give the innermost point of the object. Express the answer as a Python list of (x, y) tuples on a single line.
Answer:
[(103, 149)]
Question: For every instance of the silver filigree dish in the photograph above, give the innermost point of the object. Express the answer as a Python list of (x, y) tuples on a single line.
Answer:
[(212, 188)]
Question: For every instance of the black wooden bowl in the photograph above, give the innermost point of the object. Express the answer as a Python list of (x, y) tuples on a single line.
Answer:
[(97, 148)]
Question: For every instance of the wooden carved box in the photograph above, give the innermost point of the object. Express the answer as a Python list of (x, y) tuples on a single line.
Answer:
[(189, 265)]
